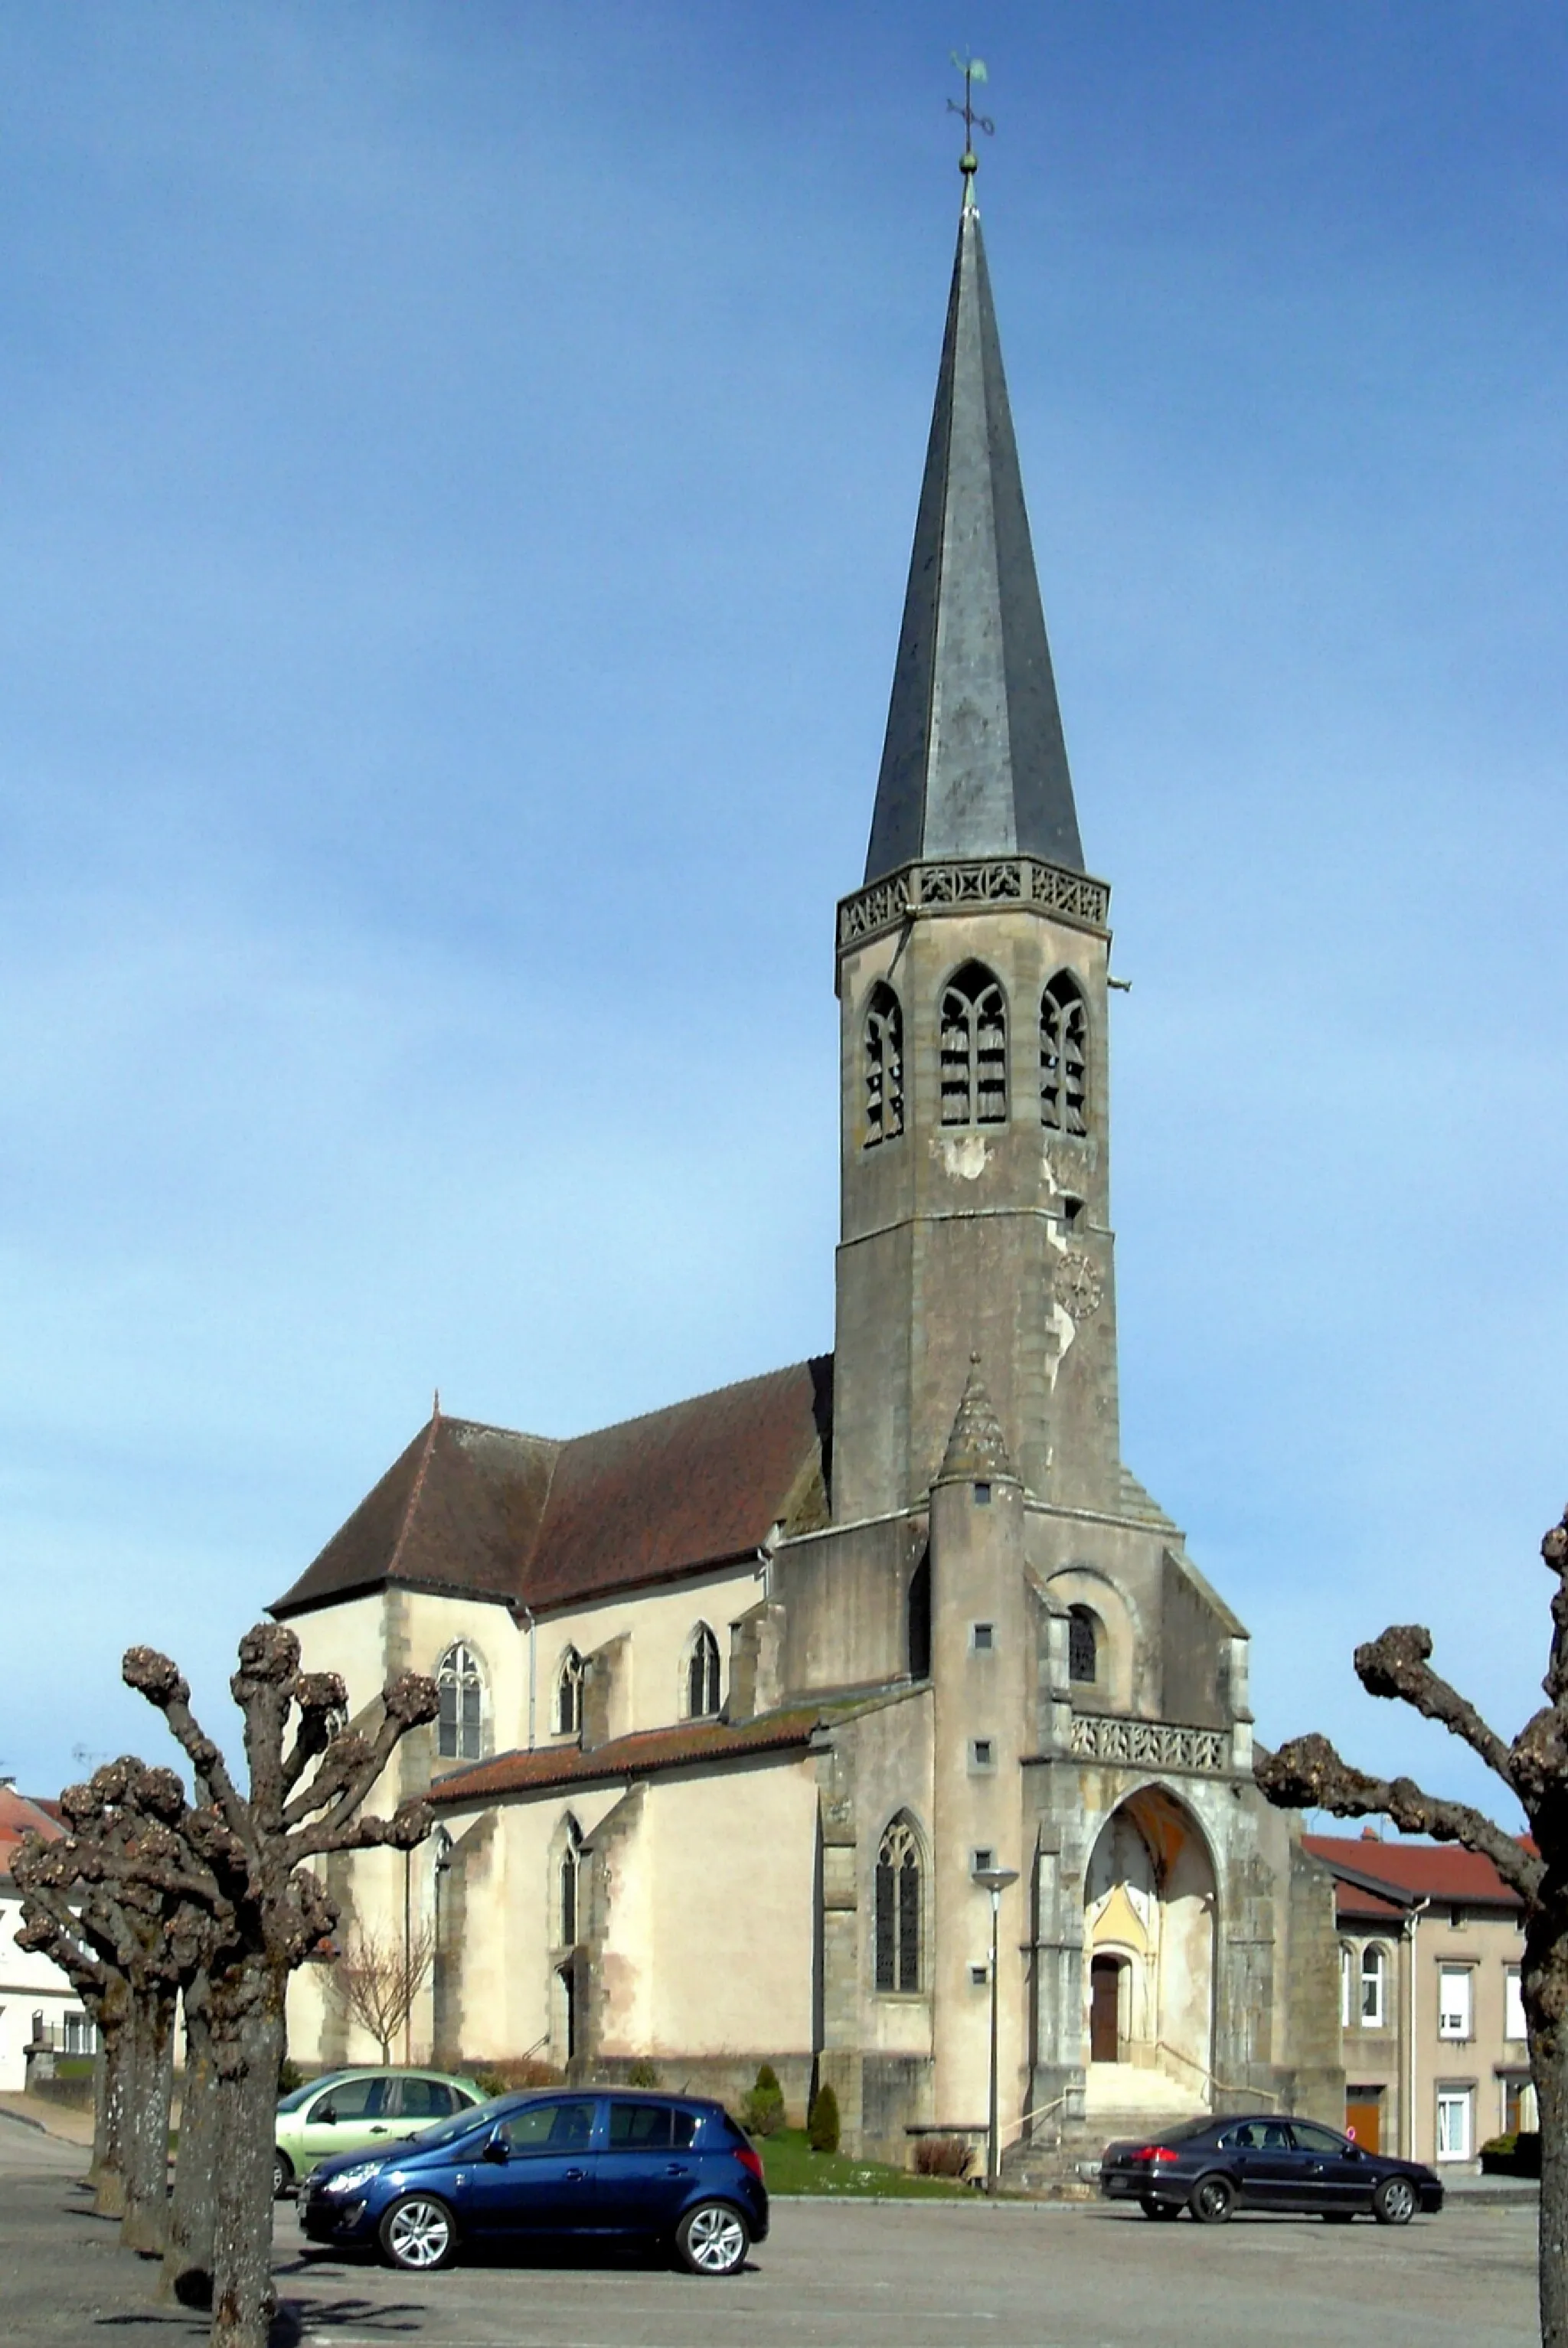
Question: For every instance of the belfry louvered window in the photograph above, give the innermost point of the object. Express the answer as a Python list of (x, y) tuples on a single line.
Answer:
[(1064, 1056), (898, 1908), (883, 1066), (460, 1726), (973, 1048)]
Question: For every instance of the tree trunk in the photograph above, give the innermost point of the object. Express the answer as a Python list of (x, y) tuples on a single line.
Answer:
[(187, 2275), (145, 2224), (113, 2099), (1549, 2061), (249, 2042)]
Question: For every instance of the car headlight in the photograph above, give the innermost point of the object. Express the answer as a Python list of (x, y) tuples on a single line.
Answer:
[(348, 2180)]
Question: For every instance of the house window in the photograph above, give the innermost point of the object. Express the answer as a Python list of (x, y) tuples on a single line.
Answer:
[(81, 2034), (973, 1048), (883, 1066), (1374, 1986), (1453, 2001), (702, 1676), (1083, 1646), (1064, 1056), (1513, 2026), (569, 1694), (1520, 2106), (460, 1683), (898, 1908), (1454, 2123)]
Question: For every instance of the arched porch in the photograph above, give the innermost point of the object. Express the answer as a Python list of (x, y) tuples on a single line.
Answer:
[(1150, 1900)]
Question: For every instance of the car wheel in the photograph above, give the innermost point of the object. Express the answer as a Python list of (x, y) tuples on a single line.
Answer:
[(419, 2233), (712, 2239), (1213, 2200), (1393, 2203), (283, 2175)]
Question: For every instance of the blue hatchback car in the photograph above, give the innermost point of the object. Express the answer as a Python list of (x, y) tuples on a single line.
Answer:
[(560, 2162)]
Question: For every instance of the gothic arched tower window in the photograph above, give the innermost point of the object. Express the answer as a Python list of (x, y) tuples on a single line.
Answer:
[(883, 1065), (570, 1871), (569, 1694), (1064, 1056), (898, 1908), (702, 1676), (461, 1723), (917, 1619), (973, 1048)]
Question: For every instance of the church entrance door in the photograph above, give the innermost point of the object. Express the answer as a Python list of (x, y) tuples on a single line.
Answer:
[(1105, 2009)]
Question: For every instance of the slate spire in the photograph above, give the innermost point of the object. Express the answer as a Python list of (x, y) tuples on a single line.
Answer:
[(973, 763), (976, 1446)]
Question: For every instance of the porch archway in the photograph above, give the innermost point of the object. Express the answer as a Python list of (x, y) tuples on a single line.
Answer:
[(1150, 1902)]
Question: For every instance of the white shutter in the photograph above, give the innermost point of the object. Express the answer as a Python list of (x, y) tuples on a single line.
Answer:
[(1513, 2005), (1454, 2002)]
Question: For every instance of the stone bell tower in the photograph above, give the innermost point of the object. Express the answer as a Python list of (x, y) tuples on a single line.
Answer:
[(972, 974)]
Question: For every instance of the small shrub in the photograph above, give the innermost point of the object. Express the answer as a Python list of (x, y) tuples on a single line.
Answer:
[(822, 2127), (943, 2156), (762, 2110), (1512, 2156), (290, 2076), (511, 2073), (643, 2074)]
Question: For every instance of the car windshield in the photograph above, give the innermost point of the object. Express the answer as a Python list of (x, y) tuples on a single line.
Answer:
[(478, 2115)]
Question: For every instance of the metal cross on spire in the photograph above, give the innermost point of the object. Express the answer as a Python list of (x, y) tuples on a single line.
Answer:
[(972, 70)]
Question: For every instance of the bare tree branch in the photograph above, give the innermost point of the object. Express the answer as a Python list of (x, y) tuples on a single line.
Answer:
[(1396, 1666), (1308, 1774)]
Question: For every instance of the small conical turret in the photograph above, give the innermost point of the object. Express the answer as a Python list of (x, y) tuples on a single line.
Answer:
[(977, 1447), (973, 763)]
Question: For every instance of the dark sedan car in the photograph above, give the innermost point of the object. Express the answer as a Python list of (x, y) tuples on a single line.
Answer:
[(552, 2164), (1210, 2167)]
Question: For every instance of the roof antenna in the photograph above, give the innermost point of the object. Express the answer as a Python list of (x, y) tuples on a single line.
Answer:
[(972, 70)]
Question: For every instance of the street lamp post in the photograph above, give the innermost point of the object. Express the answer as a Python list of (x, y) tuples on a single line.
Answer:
[(996, 1880)]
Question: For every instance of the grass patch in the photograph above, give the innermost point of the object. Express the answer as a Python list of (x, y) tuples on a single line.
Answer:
[(791, 2167)]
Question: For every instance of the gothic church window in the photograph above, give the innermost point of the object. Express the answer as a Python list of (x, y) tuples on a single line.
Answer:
[(1064, 1056), (702, 1676), (883, 1066), (460, 1722), (898, 1906), (973, 1048), (570, 1871), (569, 1694), (1083, 1646)]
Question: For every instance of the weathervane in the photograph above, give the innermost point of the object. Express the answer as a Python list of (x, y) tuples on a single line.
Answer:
[(972, 70)]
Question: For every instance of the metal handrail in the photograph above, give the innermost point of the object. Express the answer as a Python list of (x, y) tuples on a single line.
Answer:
[(1042, 2111), (1225, 2086)]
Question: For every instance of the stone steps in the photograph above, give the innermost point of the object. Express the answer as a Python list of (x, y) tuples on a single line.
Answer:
[(1069, 2168)]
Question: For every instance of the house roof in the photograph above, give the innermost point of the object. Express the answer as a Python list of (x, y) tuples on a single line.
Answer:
[(523, 1518), (643, 1755), (20, 1814), (1402, 1873)]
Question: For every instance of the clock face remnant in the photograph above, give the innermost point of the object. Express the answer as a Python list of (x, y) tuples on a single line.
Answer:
[(1077, 1285)]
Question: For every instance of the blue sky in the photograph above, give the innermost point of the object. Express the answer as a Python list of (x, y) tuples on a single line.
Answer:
[(458, 468)]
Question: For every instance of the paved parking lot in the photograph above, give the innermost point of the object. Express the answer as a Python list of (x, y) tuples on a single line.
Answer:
[(834, 2275)]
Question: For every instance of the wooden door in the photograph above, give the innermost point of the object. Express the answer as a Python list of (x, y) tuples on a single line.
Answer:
[(1104, 2009), (1364, 2120)]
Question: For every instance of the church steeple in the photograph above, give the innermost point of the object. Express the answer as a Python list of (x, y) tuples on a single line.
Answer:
[(973, 763)]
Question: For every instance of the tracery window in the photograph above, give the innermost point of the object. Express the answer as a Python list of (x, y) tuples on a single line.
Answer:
[(571, 1869), (973, 1048), (1083, 1645), (883, 1066), (702, 1676), (460, 1726), (1064, 1056), (898, 1903), (569, 1694)]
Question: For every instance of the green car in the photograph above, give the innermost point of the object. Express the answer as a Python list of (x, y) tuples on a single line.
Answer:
[(360, 2111)]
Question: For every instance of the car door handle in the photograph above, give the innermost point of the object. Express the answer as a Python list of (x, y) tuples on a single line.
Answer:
[(677, 2168), (379, 2131), (575, 2176)]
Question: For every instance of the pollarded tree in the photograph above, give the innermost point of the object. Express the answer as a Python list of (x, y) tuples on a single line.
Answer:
[(1308, 1774), (308, 1780), (88, 1902)]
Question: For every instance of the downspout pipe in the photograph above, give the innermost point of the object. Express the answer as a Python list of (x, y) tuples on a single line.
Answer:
[(1414, 1917), (519, 1608)]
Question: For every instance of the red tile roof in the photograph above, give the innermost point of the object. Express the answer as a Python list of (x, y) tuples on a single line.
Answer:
[(493, 1514), (641, 1755), (19, 1816), (1415, 1870)]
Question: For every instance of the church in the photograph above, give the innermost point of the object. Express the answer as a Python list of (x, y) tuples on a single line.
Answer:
[(750, 1707)]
